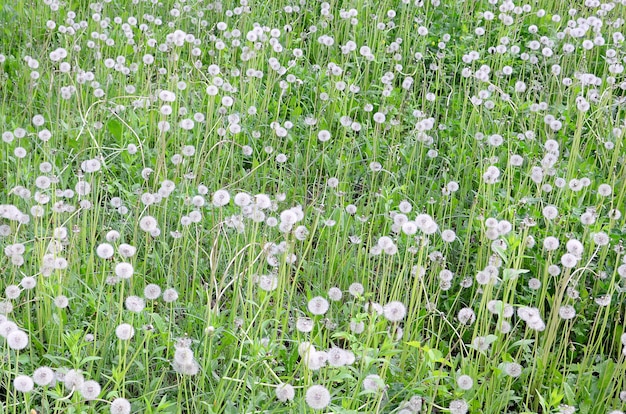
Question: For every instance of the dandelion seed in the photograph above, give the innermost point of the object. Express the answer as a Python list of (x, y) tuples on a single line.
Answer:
[(550, 243), (534, 283), (335, 294), (61, 302), (567, 312), (221, 198), (105, 251), (601, 238), (448, 236), (6, 327), (90, 390), (124, 331), (170, 295), (458, 407), (603, 300), (394, 311), (317, 397), (73, 379), (356, 289), (268, 283), (465, 382), (373, 382), (134, 304), (17, 339), (43, 376), (304, 324), (124, 270), (512, 369), (466, 316), (323, 135), (569, 261), (120, 406), (28, 282), (152, 291), (285, 392), (23, 383), (318, 305), (12, 292)]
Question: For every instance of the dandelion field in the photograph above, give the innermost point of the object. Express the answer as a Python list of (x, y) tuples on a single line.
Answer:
[(304, 206)]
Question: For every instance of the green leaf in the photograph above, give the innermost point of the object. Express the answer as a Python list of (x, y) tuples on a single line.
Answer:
[(512, 274), (569, 394), (115, 128)]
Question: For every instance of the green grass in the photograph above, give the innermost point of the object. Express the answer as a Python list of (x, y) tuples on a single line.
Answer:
[(441, 206)]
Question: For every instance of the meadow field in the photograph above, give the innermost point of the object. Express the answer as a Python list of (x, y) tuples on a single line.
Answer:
[(305, 206)]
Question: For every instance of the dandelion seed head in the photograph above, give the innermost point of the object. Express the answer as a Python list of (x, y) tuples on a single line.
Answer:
[(465, 382), (318, 305), (317, 397), (90, 390), (466, 316), (120, 406), (124, 331), (43, 376), (23, 383), (17, 339), (394, 311), (105, 251)]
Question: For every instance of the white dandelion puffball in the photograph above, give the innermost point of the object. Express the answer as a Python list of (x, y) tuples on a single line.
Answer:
[(317, 397), (394, 311)]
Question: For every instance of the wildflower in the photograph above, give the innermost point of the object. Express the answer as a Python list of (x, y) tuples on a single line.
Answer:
[(466, 316), (61, 302), (465, 382), (337, 357), (134, 303), (185, 362), (105, 251), (317, 397), (335, 294), (148, 223), (120, 406), (601, 238), (23, 383), (357, 327), (356, 289), (568, 260), (126, 250), (394, 311), (316, 360), (152, 291), (268, 283), (318, 305), (603, 300), (323, 135), (373, 382), (124, 331), (17, 339), (12, 292), (73, 379), (458, 407), (448, 236), (567, 312), (170, 295), (285, 392), (304, 324), (90, 390), (604, 190), (124, 270), (43, 376), (550, 243), (512, 369)]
